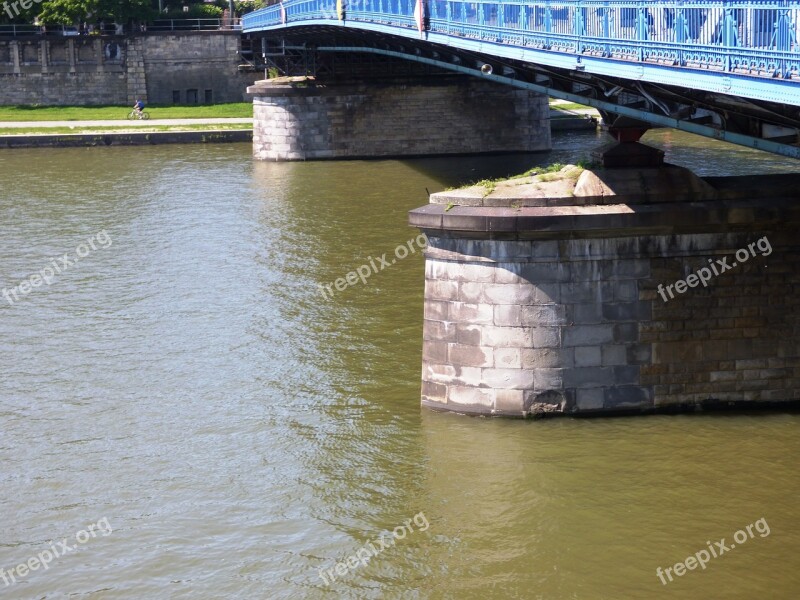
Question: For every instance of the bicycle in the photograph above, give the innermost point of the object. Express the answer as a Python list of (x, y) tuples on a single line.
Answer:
[(141, 115)]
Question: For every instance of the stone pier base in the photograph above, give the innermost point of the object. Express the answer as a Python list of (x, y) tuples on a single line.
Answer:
[(303, 120), (623, 302)]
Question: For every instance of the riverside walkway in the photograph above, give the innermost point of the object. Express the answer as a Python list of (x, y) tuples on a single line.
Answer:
[(123, 123)]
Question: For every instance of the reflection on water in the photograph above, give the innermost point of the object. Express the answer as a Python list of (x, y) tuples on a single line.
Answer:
[(240, 432)]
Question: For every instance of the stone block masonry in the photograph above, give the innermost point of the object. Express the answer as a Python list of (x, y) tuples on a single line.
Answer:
[(162, 68), (406, 118), (560, 313)]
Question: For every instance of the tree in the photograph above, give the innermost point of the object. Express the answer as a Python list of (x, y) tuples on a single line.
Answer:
[(70, 12), (123, 11), (66, 12)]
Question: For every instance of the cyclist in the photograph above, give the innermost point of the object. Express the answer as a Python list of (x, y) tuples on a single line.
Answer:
[(138, 107)]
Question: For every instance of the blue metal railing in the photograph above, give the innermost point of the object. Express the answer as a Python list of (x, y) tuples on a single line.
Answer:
[(748, 37)]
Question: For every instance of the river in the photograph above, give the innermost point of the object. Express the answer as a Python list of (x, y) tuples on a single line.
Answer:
[(183, 387)]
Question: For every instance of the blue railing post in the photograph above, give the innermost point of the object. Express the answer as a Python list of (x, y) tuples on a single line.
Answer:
[(606, 28), (681, 32), (642, 28), (729, 33), (783, 37), (579, 26), (548, 18), (681, 26)]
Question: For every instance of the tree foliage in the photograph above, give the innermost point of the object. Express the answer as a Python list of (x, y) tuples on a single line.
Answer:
[(65, 12), (123, 11), (196, 11), (70, 12)]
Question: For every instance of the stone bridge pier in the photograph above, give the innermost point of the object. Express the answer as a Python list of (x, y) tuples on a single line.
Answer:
[(627, 290), (301, 118)]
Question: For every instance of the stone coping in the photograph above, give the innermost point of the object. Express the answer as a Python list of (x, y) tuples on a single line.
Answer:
[(630, 219), (309, 85)]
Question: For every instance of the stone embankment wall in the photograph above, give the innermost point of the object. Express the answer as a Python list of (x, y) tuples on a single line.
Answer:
[(125, 139), (163, 68), (412, 118)]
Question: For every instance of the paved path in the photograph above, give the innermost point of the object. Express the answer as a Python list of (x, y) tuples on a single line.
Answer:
[(123, 123)]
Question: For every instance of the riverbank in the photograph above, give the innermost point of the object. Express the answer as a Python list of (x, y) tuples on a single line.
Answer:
[(108, 132), (569, 116), (126, 138)]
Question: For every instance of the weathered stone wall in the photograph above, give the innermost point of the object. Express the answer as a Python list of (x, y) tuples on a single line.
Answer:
[(566, 315), (62, 71), (188, 67), (192, 65), (422, 117)]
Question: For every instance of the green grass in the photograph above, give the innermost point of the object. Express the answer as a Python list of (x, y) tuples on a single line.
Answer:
[(554, 168), (121, 129), (488, 184), (92, 113), (546, 173), (570, 106)]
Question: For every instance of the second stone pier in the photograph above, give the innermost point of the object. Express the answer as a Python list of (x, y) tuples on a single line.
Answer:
[(305, 119)]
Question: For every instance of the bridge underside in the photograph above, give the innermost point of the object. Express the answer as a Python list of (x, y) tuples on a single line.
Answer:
[(338, 53)]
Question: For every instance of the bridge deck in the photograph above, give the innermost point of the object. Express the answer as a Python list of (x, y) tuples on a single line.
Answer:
[(745, 48)]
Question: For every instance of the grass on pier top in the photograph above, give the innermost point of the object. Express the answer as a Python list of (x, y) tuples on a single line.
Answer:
[(99, 113)]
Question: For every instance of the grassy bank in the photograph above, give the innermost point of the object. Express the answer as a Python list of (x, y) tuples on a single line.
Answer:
[(92, 113), (567, 106), (120, 129)]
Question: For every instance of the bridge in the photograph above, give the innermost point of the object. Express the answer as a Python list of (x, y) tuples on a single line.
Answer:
[(597, 291), (726, 69)]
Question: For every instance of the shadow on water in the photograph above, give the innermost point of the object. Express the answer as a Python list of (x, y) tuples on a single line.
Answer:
[(568, 147)]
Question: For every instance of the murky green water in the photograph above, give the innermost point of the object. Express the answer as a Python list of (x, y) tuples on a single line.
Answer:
[(188, 386)]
